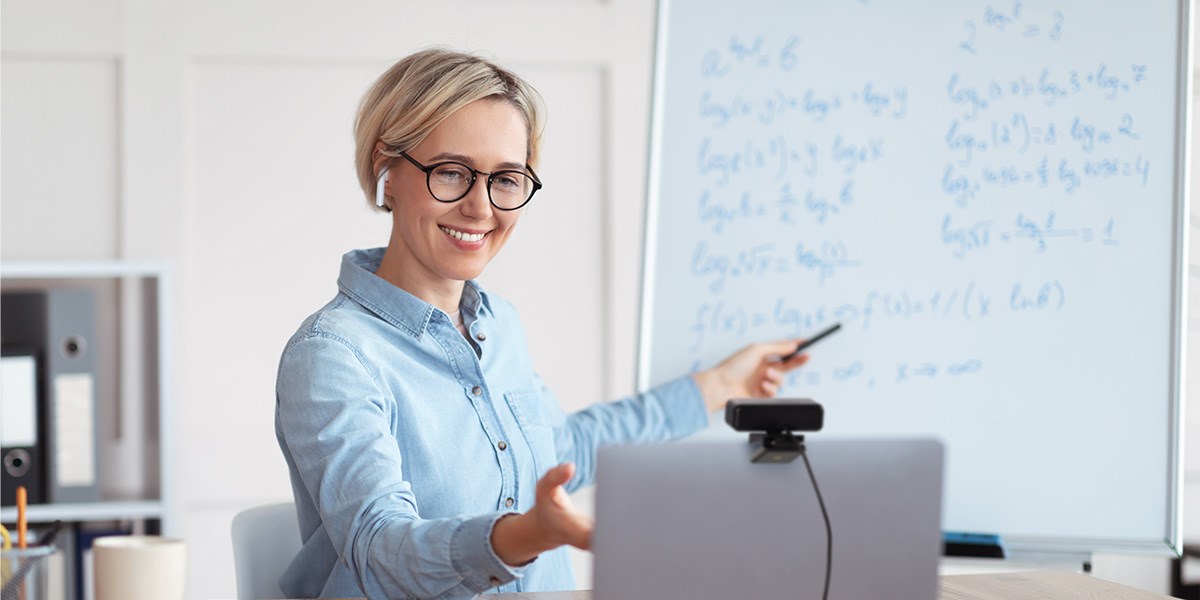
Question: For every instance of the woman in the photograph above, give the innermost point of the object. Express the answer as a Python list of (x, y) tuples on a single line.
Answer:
[(426, 457)]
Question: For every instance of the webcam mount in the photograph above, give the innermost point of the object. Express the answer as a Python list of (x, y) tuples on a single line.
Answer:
[(773, 425)]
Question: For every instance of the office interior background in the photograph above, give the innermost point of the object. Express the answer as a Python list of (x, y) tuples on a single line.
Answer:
[(215, 137)]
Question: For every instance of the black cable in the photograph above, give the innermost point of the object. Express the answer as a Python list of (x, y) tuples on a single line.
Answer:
[(828, 528)]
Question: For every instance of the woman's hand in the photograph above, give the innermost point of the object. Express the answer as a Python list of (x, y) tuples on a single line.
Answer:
[(752, 372), (552, 522)]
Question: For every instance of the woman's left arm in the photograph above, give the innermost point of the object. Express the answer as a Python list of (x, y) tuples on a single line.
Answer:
[(672, 410)]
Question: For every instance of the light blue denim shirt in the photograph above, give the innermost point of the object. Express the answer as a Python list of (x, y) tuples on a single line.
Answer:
[(406, 441)]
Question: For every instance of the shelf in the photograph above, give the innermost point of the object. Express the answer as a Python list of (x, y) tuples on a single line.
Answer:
[(87, 511), (80, 269), (132, 407)]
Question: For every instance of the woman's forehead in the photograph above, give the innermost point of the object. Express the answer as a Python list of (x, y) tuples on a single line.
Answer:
[(490, 131)]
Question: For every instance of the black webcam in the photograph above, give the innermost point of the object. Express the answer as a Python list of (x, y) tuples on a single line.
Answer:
[(785, 414), (772, 424)]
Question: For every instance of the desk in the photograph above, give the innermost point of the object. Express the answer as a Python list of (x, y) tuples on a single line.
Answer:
[(1032, 585)]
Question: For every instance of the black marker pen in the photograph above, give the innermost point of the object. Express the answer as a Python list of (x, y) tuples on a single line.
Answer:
[(810, 341)]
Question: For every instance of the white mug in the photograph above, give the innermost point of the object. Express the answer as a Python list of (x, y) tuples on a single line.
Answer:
[(138, 567)]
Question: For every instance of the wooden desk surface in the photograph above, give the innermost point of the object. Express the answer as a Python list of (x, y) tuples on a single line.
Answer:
[(1037, 585), (1031, 585)]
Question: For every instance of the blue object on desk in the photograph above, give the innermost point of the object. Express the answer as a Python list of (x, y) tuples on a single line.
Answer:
[(977, 545)]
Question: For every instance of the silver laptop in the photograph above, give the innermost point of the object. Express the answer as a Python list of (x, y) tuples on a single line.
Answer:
[(699, 520)]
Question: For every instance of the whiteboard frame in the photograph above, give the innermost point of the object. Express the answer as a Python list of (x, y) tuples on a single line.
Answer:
[(1018, 546), (650, 222), (1185, 96)]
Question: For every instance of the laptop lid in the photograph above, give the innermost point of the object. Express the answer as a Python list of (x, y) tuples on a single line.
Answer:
[(699, 520)]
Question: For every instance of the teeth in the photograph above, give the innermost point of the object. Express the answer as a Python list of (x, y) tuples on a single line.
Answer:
[(466, 237)]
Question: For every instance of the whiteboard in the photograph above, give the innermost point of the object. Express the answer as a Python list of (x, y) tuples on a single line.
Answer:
[(989, 196)]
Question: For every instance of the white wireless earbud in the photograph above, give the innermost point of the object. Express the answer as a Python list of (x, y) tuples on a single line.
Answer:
[(379, 187)]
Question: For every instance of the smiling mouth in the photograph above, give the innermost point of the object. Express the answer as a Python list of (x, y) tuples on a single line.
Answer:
[(462, 236)]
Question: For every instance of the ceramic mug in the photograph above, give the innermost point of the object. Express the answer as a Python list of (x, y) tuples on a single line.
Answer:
[(138, 567)]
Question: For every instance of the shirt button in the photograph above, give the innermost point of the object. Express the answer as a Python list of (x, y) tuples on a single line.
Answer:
[(508, 502), (480, 336), (494, 580), (477, 390), (502, 446)]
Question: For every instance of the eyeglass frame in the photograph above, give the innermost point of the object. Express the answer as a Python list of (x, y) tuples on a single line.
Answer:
[(475, 173)]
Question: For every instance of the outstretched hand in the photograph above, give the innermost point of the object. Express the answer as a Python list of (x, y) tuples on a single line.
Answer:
[(555, 514), (552, 522), (752, 372)]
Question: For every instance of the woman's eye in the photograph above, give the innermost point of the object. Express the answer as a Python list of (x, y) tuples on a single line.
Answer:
[(450, 174), (508, 181)]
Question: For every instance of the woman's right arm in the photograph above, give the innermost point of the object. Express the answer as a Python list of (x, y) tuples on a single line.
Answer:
[(333, 422)]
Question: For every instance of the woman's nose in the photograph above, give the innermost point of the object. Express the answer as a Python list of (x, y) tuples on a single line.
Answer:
[(477, 203)]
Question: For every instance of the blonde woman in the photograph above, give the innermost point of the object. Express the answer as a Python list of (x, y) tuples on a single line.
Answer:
[(427, 459)]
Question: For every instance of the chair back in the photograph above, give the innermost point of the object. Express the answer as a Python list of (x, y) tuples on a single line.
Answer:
[(265, 540)]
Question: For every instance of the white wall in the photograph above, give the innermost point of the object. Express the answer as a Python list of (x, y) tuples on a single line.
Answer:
[(216, 135)]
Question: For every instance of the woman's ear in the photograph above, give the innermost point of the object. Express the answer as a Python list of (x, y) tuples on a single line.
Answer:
[(378, 158)]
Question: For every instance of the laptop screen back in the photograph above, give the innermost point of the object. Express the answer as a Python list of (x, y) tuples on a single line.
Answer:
[(699, 520)]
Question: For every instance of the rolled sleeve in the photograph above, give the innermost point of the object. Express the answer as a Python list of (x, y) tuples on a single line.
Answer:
[(474, 557)]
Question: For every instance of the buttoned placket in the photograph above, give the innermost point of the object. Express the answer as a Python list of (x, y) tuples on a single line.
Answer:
[(485, 406), (477, 339)]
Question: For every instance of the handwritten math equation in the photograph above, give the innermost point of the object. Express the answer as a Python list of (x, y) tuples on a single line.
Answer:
[(968, 302), (1011, 21), (964, 142), (859, 372), (964, 238), (863, 373), (779, 106), (1046, 88), (778, 157), (716, 268)]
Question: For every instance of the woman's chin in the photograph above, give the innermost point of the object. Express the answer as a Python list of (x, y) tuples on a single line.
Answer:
[(463, 272)]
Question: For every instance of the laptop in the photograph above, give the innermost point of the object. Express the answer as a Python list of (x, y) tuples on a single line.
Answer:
[(699, 520)]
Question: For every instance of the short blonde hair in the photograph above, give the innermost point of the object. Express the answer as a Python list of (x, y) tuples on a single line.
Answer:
[(414, 96)]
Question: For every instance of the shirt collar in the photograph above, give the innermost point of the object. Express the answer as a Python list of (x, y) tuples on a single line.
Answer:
[(393, 304), (475, 299)]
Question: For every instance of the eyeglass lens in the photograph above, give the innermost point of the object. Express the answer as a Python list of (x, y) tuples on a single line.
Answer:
[(507, 189)]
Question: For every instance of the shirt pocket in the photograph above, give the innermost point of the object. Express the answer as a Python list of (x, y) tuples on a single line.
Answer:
[(527, 409)]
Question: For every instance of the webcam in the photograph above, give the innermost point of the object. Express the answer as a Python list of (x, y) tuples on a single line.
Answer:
[(773, 424)]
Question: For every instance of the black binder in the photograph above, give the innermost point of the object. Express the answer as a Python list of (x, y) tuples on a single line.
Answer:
[(60, 325), (21, 430)]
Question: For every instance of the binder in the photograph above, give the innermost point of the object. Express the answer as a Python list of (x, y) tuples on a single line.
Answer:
[(20, 426), (60, 324)]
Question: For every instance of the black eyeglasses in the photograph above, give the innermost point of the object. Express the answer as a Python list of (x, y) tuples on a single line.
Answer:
[(451, 181)]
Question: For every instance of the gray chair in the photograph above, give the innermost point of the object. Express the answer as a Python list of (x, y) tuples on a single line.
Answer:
[(265, 540)]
